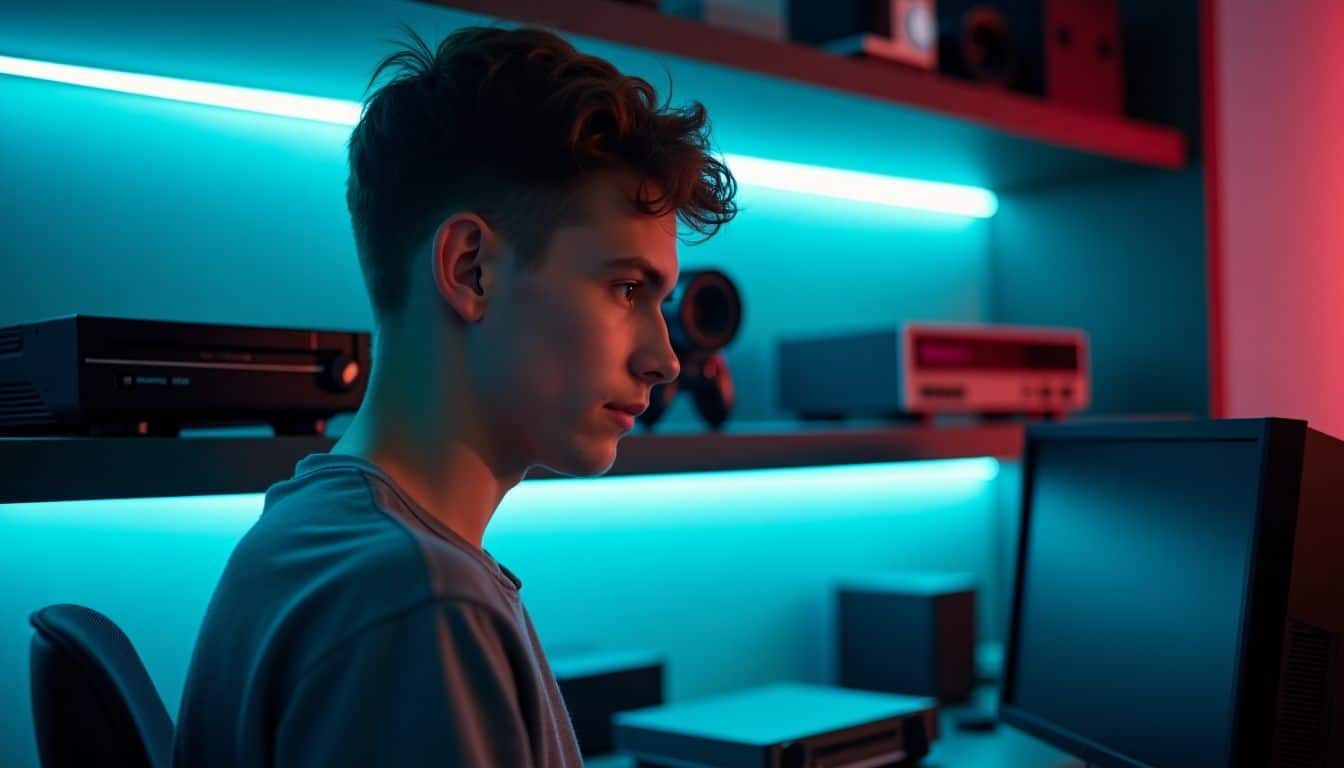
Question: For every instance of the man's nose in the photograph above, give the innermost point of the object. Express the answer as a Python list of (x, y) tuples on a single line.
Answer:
[(657, 361)]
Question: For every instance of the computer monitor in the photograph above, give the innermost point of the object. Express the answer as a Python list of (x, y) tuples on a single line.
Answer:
[(1179, 595)]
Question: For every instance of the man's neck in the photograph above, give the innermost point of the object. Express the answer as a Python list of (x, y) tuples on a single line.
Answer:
[(442, 472)]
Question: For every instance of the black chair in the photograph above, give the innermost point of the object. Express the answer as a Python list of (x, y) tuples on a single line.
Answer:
[(93, 701)]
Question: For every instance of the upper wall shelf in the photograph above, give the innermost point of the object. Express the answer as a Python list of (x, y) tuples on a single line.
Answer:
[(767, 98), (1000, 114)]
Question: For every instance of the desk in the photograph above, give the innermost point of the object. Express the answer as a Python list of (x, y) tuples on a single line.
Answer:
[(1003, 747)]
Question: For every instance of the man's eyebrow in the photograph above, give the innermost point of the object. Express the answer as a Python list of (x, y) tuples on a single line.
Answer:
[(658, 280)]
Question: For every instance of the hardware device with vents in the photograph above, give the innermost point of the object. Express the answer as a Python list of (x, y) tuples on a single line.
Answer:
[(1177, 600), (786, 725), (597, 684), (81, 374), (932, 368)]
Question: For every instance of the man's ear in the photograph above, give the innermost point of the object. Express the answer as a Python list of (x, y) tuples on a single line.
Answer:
[(465, 259)]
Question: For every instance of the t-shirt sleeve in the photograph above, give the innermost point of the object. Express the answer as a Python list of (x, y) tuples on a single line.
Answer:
[(429, 686)]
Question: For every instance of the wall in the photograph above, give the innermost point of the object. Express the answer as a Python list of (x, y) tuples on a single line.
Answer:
[(1279, 113), (1123, 258), (125, 205), (129, 206), (734, 593)]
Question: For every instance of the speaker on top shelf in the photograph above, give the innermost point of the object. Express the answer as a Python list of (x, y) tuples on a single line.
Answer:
[(1084, 55), (992, 42)]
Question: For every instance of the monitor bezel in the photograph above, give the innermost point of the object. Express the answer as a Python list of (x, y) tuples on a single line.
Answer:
[(1265, 591)]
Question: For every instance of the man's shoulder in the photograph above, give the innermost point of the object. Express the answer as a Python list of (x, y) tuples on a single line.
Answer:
[(325, 562), (350, 530)]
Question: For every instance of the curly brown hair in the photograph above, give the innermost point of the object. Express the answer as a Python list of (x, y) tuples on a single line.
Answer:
[(508, 123)]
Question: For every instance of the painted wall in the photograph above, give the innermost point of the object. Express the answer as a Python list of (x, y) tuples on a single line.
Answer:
[(1280, 164), (129, 206), (1122, 258), (733, 593), (125, 205)]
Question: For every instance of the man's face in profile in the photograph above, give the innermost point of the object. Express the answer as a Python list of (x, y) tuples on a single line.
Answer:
[(575, 338)]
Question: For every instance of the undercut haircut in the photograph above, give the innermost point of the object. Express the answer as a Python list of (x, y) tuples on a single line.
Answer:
[(509, 124)]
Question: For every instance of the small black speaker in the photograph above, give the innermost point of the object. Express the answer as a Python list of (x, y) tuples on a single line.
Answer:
[(993, 42), (908, 632), (597, 684)]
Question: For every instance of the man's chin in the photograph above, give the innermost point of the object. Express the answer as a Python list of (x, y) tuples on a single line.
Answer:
[(581, 463)]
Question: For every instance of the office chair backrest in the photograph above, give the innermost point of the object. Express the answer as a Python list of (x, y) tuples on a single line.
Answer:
[(93, 701)]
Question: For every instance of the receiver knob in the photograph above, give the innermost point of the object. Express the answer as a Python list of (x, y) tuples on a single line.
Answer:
[(341, 374)]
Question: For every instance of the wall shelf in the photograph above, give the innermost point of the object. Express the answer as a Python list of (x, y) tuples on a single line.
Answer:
[(1006, 119), (70, 468)]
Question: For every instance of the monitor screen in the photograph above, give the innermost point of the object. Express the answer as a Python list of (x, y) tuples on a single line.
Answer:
[(1131, 594)]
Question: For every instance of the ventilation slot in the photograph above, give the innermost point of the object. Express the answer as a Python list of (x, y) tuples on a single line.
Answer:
[(20, 404), (1299, 733), (11, 340)]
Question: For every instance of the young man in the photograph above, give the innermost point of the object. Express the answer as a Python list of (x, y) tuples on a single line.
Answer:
[(514, 206)]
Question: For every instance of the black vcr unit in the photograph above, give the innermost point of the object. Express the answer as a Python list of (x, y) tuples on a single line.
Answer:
[(86, 375)]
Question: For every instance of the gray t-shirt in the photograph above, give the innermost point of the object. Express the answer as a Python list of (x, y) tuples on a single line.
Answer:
[(350, 628)]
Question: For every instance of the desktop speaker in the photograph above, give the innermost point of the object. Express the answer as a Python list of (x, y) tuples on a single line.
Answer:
[(992, 42), (595, 685), (909, 633), (1084, 55)]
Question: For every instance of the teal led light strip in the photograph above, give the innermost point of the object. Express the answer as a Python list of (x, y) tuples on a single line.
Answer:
[(955, 199), (229, 96), (762, 495), (737, 495)]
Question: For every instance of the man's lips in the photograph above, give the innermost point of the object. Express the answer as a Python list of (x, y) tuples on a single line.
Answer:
[(624, 414), (634, 409)]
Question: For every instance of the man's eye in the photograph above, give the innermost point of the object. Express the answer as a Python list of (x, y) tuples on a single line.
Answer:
[(627, 290)]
